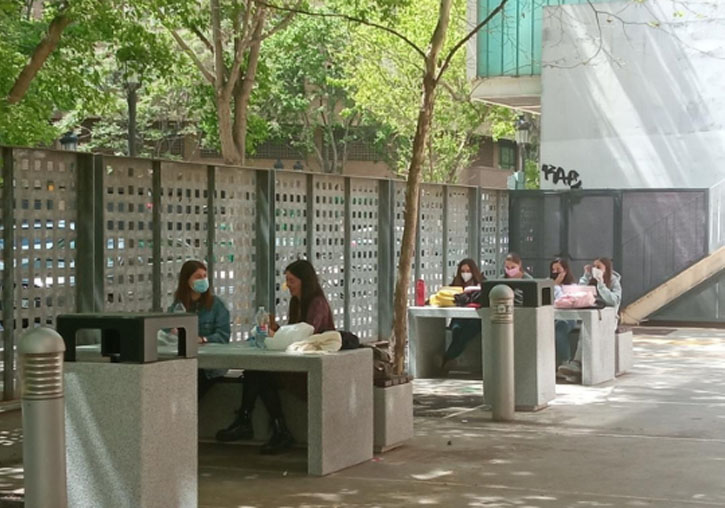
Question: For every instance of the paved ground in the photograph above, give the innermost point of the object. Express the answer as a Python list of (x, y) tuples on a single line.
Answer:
[(652, 438)]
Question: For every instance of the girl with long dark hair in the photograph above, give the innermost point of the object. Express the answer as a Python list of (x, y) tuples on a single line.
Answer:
[(462, 330), (308, 304), (195, 295)]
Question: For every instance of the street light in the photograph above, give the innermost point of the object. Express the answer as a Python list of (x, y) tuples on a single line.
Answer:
[(523, 130), (69, 141)]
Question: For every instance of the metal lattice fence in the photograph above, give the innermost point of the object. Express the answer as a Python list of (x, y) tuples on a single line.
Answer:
[(90, 233)]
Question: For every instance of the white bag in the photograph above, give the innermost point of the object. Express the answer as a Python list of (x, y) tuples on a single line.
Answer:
[(288, 334), (325, 342)]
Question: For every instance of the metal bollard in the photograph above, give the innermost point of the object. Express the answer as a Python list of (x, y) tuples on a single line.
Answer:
[(40, 354), (502, 327)]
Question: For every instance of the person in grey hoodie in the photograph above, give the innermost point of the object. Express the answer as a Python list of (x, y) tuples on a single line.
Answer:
[(609, 294)]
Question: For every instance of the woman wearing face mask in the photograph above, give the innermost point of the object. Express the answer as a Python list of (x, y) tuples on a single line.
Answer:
[(514, 268), (609, 294), (462, 330), (194, 294), (561, 275), (308, 304)]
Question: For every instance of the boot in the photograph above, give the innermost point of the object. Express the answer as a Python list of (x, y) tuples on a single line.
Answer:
[(281, 438), (240, 428)]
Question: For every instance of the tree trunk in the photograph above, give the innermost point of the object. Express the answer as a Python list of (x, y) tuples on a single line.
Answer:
[(412, 188), (230, 154), (41, 53), (425, 115)]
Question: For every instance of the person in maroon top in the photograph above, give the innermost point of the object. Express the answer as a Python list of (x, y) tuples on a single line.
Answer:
[(308, 304)]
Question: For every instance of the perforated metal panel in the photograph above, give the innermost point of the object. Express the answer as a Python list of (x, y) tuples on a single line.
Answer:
[(183, 222), (364, 262), (431, 237), (399, 225), (458, 235), (45, 237), (128, 242), (328, 241), (234, 249), (502, 231), (489, 218), (290, 231)]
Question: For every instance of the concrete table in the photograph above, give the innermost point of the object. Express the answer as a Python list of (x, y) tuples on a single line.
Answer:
[(339, 397), (597, 342), (534, 350)]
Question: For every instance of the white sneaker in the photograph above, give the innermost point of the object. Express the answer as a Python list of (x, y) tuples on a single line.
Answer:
[(572, 368)]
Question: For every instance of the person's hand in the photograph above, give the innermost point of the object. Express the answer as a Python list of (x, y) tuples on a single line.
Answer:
[(202, 340), (270, 332), (588, 269), (559, 278)]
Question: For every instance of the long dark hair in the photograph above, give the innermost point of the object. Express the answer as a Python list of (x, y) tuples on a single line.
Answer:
[(183, 290), (568, 278), (477, 275), (303, 270), (608, 274)]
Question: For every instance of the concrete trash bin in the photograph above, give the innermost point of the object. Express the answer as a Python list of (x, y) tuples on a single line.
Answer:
[(534, 342), (131, 423)]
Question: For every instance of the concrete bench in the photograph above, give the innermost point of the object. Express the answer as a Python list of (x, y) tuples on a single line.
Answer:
[(597, 342), (339, 399), (624, 355)]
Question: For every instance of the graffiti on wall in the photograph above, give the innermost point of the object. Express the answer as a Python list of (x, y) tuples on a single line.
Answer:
[(557, 174)]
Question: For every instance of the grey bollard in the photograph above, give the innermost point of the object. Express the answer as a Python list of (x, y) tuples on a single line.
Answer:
[(40, 353), (501, 299)]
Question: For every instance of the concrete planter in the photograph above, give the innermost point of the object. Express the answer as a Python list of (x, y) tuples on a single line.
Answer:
[(393, 416)]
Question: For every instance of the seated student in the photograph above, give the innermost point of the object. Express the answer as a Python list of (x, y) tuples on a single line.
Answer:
[(308, 304), (561, 274), (609, 294), (462, 330), (195, 295), (514, 267)]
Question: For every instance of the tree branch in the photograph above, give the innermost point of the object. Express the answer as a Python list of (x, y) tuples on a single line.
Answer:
[(202, 38), (347, 18), (194, 57), (468, 37), (40, 54), (216, 35), (283, 23)]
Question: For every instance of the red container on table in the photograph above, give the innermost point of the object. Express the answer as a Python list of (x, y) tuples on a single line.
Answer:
[(419, 292)]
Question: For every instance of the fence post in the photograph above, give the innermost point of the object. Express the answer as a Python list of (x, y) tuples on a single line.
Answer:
[(8, 273), (210, 220), (265, 237), (348, 253), (446, 226), (474, 225), (417, 270), (310, 218), (499, 254), (386, 257), (90, 227), (156, 234), (40, 352), (501, 299)]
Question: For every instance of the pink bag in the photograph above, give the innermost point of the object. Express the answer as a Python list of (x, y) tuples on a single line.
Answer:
[(576, 297)]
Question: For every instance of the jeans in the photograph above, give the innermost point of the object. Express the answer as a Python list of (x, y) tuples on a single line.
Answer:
[(563, 345), (462, 331)]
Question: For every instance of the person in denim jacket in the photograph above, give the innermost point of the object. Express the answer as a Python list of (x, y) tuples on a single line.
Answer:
[(195, 295)]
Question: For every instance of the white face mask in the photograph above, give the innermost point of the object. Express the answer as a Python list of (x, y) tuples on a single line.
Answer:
[(466, 276), (598, 274)]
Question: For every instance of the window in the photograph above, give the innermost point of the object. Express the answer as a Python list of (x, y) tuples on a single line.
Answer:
[(506, 154)]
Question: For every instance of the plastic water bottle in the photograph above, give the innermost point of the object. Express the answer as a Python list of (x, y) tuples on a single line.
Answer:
[(261, 331), (420, 293)]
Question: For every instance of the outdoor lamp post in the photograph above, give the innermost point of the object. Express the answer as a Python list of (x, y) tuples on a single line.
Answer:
[(523, 130), (69, 141)]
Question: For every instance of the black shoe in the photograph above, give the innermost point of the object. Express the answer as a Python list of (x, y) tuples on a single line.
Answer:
[(240, 428), (280, 441)]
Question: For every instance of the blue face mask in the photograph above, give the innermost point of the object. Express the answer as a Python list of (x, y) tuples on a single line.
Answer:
[(200, 285)]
